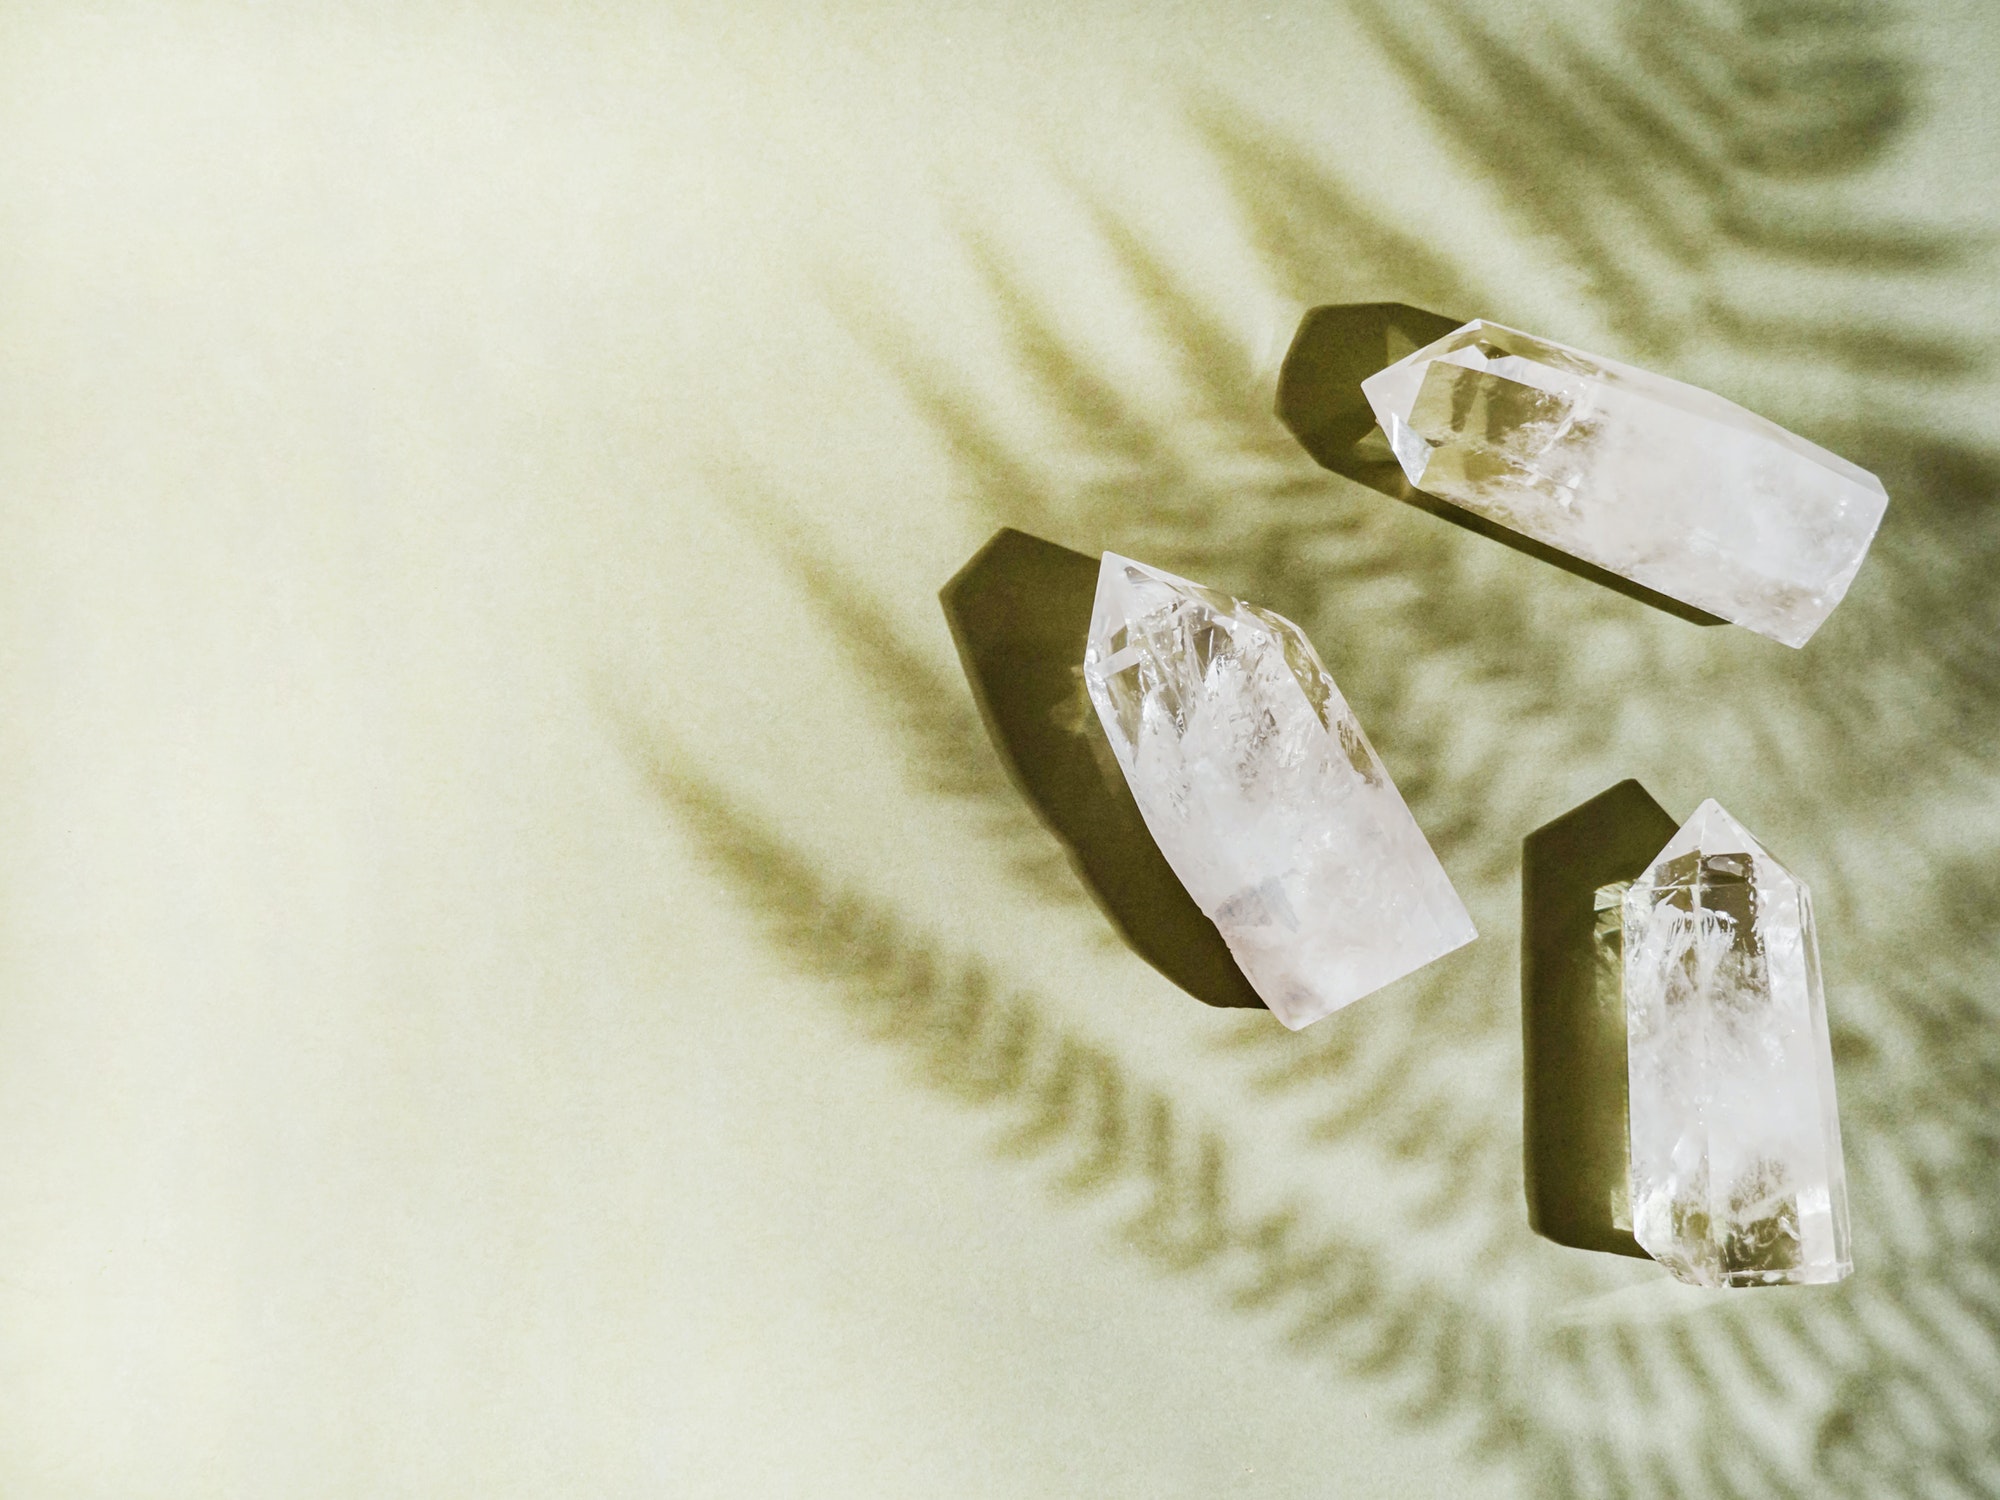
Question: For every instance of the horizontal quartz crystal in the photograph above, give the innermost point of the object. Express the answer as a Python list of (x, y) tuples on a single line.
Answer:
[(1266, 798), (1663, 483), (1737, 1173)]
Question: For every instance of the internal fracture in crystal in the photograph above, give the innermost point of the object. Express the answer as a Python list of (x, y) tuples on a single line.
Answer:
[(1737, 1173), (1258, 785), (1663, 483)]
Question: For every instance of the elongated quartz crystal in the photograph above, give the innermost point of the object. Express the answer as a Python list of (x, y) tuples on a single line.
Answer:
[(1663, 483), (1737, 1174), (1266, 798)]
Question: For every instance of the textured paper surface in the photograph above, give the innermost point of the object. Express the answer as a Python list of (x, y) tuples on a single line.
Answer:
[(511, 935)]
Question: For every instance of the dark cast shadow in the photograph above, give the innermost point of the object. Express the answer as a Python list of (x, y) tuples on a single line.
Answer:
[(1020, 613), (1320, 403), (1573, 1092)]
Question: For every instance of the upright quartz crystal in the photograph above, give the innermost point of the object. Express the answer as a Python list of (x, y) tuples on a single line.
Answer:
[(1665, 484), (1737, 1175), (1263, 793)]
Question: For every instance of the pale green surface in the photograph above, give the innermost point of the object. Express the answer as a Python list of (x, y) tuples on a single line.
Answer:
[(427, 440)]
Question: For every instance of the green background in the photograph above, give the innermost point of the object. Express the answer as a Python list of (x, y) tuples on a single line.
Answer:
[(520, 973)]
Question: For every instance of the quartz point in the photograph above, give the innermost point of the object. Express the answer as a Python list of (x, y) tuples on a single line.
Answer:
[(1663, 483), (1262, 792), (1737, 1173)]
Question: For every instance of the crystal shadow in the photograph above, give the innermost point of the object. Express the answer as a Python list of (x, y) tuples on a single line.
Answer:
[(1019, 612), (1320, 403), (1573, 1085)]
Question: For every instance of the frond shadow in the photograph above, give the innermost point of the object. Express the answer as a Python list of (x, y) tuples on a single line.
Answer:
[(952, 757), (1717, 137), (1316, 233), (1648, 171), (1102, 1133)]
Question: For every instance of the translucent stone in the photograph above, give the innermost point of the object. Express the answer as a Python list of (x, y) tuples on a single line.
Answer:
[(1663, 483), (1607, 947), (1266, 798), (1737, 1174)]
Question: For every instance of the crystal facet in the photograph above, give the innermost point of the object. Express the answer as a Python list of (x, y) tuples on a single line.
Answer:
[(1737, 1174), (1261, 790), (1663, 483), (1607, 946)]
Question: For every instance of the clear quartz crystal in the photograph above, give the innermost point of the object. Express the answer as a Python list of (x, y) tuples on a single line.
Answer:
[(1608, 972), (1660, 482), (1263, 793), (1737, 1174)]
